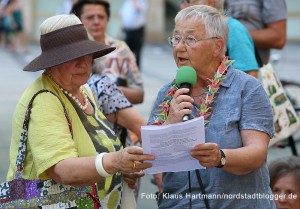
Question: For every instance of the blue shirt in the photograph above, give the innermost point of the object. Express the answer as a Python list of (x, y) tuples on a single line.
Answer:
[(241, 104), (240, 46)]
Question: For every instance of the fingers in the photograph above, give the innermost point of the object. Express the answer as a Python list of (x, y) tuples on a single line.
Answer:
[(131, 179), (132, 186), (208, 154), (137, 153), (134, 150), (181, 105), (181, 98), (141, 166), (132, 160)]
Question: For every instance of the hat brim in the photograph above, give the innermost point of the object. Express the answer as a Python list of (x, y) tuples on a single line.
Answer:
[(67, 53)]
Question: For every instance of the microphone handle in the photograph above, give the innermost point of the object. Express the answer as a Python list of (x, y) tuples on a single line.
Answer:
[(186, 85)]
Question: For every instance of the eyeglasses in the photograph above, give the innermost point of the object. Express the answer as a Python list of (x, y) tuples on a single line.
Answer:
[(189, 41)]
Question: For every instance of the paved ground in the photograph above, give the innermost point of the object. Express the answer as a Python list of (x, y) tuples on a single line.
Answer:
[(158, 68)]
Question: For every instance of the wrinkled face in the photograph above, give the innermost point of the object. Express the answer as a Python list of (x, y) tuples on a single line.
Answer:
[(288, 192), (95, 19), (199, 55), (74, 73)]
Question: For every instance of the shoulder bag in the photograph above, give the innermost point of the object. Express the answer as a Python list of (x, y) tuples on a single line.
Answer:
[(24, 193), (285, 119)]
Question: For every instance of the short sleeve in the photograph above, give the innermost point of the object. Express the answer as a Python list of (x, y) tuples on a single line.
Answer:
[(49, 136), (109, 96), (257, 111), (274, 10), (243, 53)]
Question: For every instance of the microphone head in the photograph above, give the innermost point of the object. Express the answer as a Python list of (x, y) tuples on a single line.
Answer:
[(186, 74)]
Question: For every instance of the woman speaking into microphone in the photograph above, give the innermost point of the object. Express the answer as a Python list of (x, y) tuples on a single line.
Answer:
[(238, 119)]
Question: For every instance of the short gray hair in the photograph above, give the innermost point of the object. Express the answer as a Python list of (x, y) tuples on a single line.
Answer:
[(58, 21), (282, 167), (214, 21)]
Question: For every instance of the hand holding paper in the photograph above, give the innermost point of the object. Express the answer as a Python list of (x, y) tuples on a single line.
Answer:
[(171, 145)]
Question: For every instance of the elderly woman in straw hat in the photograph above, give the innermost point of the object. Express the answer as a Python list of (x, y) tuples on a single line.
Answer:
[(66, 150)]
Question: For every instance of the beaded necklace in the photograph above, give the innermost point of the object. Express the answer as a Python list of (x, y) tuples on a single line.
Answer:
[(205, 108), (75, 99)]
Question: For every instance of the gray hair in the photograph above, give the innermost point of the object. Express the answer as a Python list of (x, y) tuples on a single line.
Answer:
[(58, 21), (282, 167), (214, 21)]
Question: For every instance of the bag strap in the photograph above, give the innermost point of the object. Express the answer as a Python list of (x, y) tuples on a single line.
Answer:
[(23, 143), (258, 58), (202, 188), (24, 134)]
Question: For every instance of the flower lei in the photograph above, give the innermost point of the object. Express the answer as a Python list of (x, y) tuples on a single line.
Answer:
[(205, 108)]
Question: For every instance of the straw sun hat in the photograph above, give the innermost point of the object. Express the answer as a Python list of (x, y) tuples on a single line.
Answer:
[(66, 44)]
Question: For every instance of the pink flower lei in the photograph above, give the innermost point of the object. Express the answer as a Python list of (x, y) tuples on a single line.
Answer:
[(205, 108)]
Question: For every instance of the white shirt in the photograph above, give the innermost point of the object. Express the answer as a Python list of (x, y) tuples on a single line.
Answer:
[(131, 17)]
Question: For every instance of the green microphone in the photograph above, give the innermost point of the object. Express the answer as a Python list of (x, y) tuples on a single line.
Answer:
[(186, 77)]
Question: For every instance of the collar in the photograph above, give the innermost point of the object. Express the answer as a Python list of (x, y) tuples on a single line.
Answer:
[(229, 77)]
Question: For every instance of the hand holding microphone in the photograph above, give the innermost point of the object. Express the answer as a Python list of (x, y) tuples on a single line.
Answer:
[(186, 77)]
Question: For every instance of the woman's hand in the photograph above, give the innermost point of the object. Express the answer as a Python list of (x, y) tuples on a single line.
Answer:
[(239, 161), (131, 179), (181, 105), (208, 154), (129, 160)]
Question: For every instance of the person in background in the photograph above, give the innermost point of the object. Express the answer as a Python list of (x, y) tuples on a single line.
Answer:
[(118, 68), (133, 15), (266, 21), (81, 146), (2, 27), (238, 115), (116, 107), (120, 65), (285, 182), (242, 53), (65, 7), (14, 13)]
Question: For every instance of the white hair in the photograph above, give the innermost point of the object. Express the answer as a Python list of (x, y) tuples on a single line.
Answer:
[(58, 21), (214, 21)]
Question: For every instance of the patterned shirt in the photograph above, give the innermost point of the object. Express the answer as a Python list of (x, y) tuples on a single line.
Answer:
[(110, 99), (120, 65)]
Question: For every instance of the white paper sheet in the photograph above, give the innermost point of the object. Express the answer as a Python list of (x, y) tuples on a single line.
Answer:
[(171, 145)]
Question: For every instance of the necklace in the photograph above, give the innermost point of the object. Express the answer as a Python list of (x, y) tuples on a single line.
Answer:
[(86, 102), (75, 99), (204, 108)]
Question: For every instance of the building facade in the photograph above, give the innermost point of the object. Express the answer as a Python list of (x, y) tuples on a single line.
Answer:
[(160, 18)]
